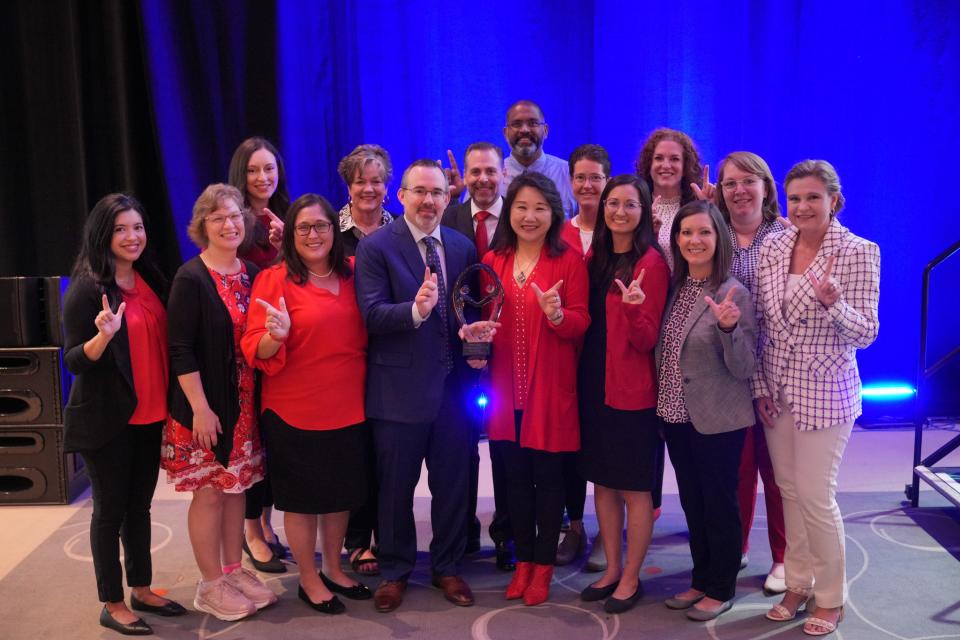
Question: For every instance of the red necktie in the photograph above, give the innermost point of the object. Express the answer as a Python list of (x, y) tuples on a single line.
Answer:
[(480, 233)]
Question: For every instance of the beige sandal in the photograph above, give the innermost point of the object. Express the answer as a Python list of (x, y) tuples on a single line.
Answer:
[(826, 627), (779, 613)]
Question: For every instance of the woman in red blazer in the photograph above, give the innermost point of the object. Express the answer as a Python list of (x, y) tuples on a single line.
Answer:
[(533, 407)]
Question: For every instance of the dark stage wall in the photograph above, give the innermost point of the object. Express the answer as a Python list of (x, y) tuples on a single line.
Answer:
[(153, 96)]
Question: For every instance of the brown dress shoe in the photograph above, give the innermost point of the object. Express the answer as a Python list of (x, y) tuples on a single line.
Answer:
[(389, 595), (455, 589)]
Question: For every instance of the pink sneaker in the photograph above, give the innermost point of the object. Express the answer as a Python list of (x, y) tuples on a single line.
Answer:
[(247, 583), (222, 600)]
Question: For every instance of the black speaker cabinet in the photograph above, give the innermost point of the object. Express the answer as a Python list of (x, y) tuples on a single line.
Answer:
[(51, 303), (20, 312), (35, 470), (32, 390)]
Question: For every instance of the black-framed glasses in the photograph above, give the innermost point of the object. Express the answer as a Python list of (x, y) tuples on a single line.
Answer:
[(304, 229), (530, 124), (420, 193)]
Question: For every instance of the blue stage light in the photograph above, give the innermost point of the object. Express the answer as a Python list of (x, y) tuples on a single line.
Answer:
[(482, 401), (888, 392)]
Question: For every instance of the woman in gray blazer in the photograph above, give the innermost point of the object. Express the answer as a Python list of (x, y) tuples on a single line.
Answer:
[(705, 358)]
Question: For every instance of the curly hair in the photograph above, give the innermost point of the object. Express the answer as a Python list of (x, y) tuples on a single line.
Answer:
[(692, 168)]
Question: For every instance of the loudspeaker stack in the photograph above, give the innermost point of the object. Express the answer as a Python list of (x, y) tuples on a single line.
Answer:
[(33, 389)]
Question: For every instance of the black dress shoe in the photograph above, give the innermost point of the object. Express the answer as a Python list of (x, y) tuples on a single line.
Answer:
[(505, 561), (332, 607), (278, 549), (273, 565), (136, 628), (616, 605), (358, 591), (592, 593), (171, 608)]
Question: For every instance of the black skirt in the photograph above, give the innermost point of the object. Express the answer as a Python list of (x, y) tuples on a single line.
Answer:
[(315, 471), (618, 449)]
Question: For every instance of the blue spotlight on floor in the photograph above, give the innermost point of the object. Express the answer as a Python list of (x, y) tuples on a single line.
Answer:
[(888, 392), (887, 404), (482, 401)]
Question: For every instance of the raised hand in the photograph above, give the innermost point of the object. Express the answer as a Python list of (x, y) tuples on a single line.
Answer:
[(727, 312), (454, 179), (427, 295), (549, 301), (633, 294), (278, 320), (827, 289), (656, 219), (708, 190), (206, 426), (481, 331), (108, 322), (276, 228)]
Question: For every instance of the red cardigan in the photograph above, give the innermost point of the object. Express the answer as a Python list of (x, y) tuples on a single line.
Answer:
[(632, 333), (571, 235), (550, 419)]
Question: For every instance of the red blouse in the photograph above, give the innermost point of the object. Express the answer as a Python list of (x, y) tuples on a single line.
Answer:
[(316, 380), (632, 333), (550, 416), (146, 321)]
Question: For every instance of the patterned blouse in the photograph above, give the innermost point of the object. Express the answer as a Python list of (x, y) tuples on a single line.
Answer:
[(347, 223), (671, 405), (667, 210), (525, 312), (746, 260)]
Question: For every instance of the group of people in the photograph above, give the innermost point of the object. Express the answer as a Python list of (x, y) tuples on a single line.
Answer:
[(311, 360)]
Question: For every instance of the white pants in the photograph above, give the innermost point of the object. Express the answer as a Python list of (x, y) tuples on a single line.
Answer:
[(806, 464)]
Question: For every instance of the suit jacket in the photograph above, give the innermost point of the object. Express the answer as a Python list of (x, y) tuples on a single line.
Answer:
[(715, 365), (810, 350), (460, 217), (406, 377)]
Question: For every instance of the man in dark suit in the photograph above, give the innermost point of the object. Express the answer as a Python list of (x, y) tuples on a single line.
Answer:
[(416, 382), (477, 218)]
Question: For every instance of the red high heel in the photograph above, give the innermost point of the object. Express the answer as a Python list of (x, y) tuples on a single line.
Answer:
[(539, 588), (521, 580)]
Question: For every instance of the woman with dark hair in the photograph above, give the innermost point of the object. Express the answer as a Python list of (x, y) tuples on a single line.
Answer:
[(306, 326), (211, 441), (706, 355), (116, 347), (746, 195), (617, 383), (819, 292), (257, 171), (533, 405), (670, 164)]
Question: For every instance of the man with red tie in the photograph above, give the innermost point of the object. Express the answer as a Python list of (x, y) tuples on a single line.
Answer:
[(477, 218)]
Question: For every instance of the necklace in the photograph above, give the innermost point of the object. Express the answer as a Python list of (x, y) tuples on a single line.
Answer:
[(320, 275), (522, 276)]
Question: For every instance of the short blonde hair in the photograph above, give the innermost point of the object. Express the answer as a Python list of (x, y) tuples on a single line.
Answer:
[(824, 172), (207, 203)]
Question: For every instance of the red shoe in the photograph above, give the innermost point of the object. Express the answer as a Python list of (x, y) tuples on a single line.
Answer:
[(521, 580), (539, 588)]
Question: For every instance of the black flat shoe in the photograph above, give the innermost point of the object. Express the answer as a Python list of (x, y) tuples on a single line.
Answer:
[(170, 609), (616, 605), (135, 628), (273, 565), (332, 607), (505, 561), (358, 591), (592, 593)]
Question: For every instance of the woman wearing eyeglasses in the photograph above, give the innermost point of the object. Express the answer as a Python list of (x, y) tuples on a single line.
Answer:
[(307, 336), (211, 440)]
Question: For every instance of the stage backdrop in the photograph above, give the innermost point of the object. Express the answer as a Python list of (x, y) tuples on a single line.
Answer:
[(872, 87)]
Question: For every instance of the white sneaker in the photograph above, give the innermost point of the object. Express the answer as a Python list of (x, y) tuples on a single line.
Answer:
[(247, 583), (776, 581), (222, 600)]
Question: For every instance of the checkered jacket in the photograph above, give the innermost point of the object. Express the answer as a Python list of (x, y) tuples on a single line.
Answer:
[(808, 349)]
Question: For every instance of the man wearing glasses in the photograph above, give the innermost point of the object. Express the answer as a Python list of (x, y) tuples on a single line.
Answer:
[(525, 132), (416, 379)]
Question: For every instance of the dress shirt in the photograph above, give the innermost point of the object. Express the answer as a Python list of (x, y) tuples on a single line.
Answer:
[(553, 167), (418, 237), (491, 221)]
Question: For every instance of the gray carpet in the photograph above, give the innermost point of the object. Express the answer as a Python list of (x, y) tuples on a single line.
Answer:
[(903, 572)]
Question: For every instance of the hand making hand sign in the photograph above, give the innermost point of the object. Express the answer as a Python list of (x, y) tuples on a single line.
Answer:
[(827, 289), (708, 190), (454, 179), (550, 301), (276, 228), (427, 295), (727, 312), (278, 320), (633, 294), (108, 322)]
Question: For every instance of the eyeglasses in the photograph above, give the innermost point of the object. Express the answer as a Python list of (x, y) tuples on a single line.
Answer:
[(219, 221), (746, 183), (420, 193), (520, 124), (593, 178), (630, 206), (305, 229)]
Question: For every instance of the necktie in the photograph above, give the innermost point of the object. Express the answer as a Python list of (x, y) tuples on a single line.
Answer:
[(480, 233), (433, 261)]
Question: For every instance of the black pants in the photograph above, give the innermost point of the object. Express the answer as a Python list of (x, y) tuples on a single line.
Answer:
[(535, 497), (575, 487), (123, 474), (500, 528), (706, 468)]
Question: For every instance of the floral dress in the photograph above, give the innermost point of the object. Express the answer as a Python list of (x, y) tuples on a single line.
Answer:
[(191, 467)]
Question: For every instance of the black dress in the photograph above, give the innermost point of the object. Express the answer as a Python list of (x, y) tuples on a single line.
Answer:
[(617, 448)]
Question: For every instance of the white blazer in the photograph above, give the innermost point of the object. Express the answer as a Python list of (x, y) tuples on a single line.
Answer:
[(808, 349)]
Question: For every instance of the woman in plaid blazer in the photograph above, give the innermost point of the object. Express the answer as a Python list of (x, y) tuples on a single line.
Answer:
[(819, 289)]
